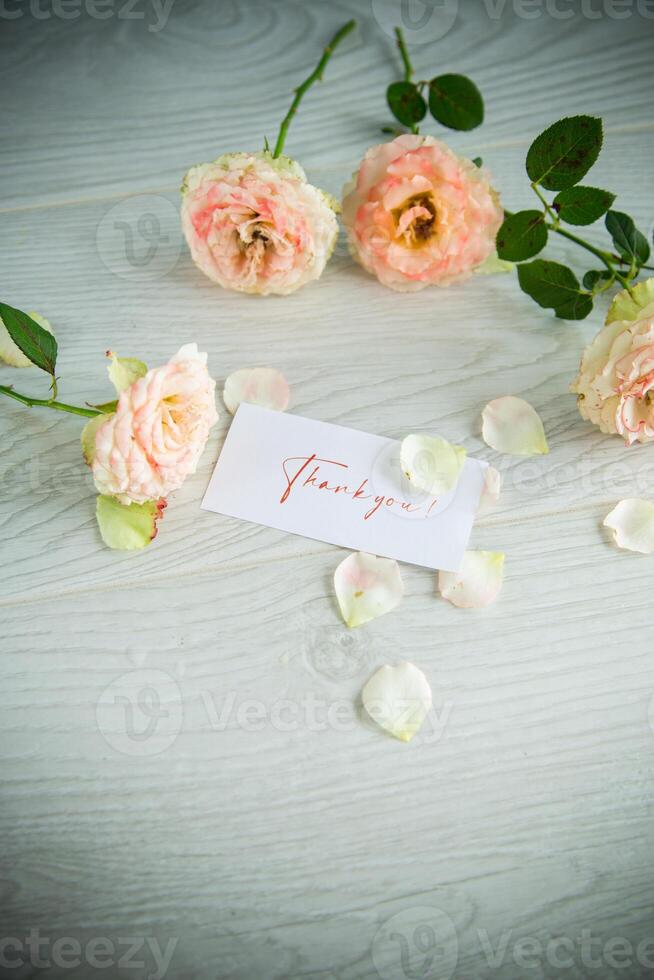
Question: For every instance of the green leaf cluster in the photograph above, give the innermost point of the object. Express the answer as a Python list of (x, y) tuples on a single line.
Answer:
[(453, 100), (557, 160)]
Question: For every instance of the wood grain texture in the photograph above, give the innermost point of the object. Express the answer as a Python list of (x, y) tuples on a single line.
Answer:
[(263, 824)]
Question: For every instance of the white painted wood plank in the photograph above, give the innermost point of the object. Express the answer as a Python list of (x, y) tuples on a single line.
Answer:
[(106, 107), (281, 850)]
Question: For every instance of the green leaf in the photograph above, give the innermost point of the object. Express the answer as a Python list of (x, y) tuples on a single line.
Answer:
[(38, 346), (406, 103), (582, 205), (564, 152), (630, 243), (124, 371), (477, 161), (456, 102), (595, 276), (106, 407), (521, 235), (128, 528), (554, 286)]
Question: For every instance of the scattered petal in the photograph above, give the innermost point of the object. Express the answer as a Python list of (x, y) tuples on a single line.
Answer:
[(128, 528), (398, 698), (367, 587), (124, 371), (10, 353), (629, 304), (431, 463), (478, 581), (632, 523), (266, 387), (490, 493), (88, 437), (511, 425)]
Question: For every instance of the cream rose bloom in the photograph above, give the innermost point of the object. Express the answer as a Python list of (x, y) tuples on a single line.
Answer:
[(615, 384), (418, 215), (253, 223), (156, 436)]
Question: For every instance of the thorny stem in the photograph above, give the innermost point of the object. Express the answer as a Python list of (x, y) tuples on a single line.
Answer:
[(88, 413), (315, 75)]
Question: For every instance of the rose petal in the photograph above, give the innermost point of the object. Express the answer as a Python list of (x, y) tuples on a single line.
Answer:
[(87, 437), (124, 371), (494, 265), (630, 303), (367, 587), (128, 528), (266, 387), (478, 581), (632, 523), (511, 425), (10, 353), (431, 463), (398, 698), (490, 493)]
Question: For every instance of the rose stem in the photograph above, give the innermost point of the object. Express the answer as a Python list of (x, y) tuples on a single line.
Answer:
[(88, 413), (408, 67), (315, 75)]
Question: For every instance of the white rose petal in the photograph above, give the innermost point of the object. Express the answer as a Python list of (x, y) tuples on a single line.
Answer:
[(632, 523), (398, 698), (490, 493), (478, 581), (266, 387), (431, 463), (367, 587), (511, 425), (11, 354)]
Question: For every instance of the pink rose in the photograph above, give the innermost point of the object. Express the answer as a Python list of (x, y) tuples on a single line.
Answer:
[(155, 438), (254, 223), (615, 384), (418, 215)]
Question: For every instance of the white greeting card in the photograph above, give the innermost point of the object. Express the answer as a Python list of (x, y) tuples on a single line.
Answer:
[(339, 485)]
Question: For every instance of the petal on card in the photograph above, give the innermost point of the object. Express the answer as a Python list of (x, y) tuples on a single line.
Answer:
[(367, 587), (128, 528), (490, 493), (431, 463), (124, 371), (478, 581), (398, 698), (511, 425), (632, 523), (266, 387)]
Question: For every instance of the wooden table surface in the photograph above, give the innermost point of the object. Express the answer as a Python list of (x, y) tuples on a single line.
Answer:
[(144, 797)]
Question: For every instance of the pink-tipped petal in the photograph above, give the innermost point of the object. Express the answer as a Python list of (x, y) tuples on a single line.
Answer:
[(478, 581), (367, 587), (266, 387)]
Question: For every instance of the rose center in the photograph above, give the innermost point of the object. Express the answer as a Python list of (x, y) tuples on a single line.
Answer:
[(415, 220)]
